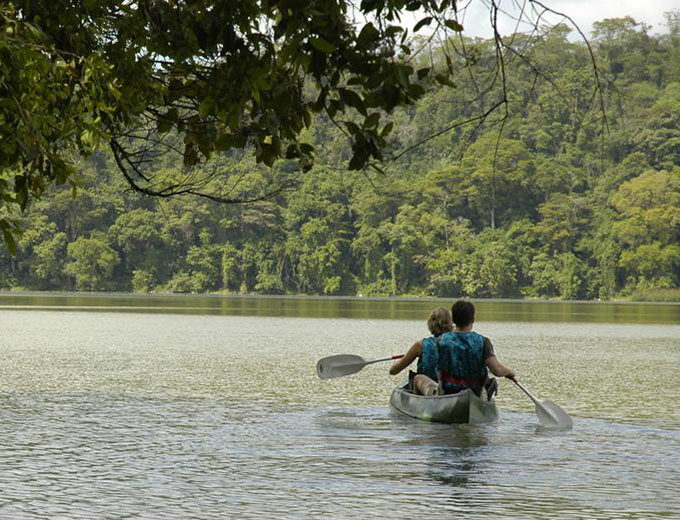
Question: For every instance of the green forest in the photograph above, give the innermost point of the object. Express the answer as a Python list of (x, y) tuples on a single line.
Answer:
[(567, 192)]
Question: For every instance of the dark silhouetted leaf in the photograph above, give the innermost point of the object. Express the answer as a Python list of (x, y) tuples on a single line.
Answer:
[(322, 45), (422, 23), (454, 25)]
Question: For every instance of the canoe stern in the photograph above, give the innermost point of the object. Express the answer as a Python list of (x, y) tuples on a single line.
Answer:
[(463, 407)]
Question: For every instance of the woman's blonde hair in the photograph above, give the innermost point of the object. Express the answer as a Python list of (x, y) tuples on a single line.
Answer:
[(440, 321)]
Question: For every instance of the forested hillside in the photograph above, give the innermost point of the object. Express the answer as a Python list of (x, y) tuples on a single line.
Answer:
[(572, 197)]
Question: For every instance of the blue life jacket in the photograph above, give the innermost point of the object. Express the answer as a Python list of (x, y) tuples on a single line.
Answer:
[(461, 361), (429, 354)]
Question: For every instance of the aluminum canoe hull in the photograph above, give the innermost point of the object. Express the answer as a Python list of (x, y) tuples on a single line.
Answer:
[(463, 407)]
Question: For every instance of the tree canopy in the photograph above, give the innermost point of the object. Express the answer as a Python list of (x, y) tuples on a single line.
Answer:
[(182, 82)]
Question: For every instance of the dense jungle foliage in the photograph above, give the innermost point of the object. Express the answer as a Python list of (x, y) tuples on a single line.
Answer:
[(564, 200)]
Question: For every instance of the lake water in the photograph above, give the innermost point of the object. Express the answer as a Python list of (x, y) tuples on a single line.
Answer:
[(210, 408)]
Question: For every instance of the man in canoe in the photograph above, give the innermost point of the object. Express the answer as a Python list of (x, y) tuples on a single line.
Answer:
[(463, 357)]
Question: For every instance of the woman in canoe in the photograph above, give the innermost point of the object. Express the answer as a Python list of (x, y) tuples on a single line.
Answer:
[(453, 358), (426, 351)]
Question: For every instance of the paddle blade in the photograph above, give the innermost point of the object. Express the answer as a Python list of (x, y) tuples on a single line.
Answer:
[(552, 416), (338, 366)]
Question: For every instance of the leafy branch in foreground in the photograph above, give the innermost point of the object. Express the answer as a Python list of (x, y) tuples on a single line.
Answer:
[(195, 79)]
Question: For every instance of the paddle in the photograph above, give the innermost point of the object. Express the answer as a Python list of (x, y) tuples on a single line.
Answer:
[(549, 414), (344, 365)]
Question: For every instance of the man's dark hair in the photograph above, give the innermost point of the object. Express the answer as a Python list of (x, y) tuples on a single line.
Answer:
[(463, 313)]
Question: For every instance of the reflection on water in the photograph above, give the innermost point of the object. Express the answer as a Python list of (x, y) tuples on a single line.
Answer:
[(115, 415), (344, 307)]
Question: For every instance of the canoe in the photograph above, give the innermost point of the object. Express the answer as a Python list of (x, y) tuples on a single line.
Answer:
[(463, 407)]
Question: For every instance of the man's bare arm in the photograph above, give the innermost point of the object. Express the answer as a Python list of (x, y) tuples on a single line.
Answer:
[(499, 369)]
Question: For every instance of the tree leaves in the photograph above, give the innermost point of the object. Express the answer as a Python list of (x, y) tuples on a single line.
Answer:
[(368, 36), (173, 74), (351, 98), (9, 238), (322, 45), (372, 120), (422, 23), (226, 140), (454, 25)]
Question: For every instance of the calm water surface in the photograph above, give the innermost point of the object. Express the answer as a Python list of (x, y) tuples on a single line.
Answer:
[(183, 414)]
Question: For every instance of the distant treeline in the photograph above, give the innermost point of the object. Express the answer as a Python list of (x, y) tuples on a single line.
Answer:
[(573, 200)]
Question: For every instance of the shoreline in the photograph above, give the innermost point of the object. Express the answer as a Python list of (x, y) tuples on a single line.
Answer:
[(235, 296)]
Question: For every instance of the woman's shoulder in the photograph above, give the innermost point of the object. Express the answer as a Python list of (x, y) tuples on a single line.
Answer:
[(430, 340)]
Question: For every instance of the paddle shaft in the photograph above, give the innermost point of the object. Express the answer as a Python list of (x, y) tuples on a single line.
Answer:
[(526, 391), (397, 356)]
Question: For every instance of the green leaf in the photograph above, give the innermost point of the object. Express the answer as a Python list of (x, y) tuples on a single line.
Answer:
[(422, 23), (387, 129), (226, 141), (9, 239), (322, 45), (444, 5), (454, 25), (415, 91), (449, 64), (87, 138), (403, 73), (206, 107), (373, 81), (392, 30), (320, 100), (256, 96), (368, 35), (267, 154), (444, 80), (333, 107), (372, 120), (262, 83), (292, 152), (353, 128), (190, 157), (164, 125), (307, 115), (351, 98), (234, 119), (358, 160)]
